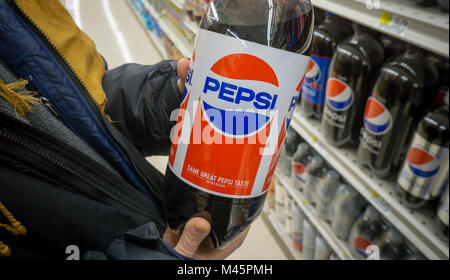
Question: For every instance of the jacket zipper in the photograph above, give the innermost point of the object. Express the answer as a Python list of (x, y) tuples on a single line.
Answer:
[(48, 105), (49, 160), (83, 88)]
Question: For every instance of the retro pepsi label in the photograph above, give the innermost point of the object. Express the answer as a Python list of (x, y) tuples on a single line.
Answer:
[(239, 100), (425, 169), (315, 84), (339, 99)]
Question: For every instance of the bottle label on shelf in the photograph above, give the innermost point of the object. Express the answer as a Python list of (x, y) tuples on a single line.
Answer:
[(313, 90), (339, 100), (425, 170), (299, 173), (240, 99)]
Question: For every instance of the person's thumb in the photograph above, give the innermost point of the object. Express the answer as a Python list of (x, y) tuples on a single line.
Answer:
[(195, 231), (182, 68)]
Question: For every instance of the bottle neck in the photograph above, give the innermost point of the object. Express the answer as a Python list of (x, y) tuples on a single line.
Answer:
[(412, 51)]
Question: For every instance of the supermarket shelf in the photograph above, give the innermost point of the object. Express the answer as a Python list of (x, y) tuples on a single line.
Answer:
[(177, 38), (418, 227), (186, 21), (190, 24), (177, 3), (159, 44), (427, 28), (269, 216), (339, 246)]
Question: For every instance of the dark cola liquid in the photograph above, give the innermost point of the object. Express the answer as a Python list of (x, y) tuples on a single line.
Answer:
[(288, 26)]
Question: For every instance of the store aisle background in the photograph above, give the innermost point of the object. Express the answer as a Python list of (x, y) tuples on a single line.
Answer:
[(120, 38)]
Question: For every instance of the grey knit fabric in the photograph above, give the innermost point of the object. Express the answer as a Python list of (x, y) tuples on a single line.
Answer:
[(41, 119)]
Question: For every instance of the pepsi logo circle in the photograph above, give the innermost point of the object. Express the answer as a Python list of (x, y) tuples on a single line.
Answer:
[(377, 118), (239, 92), (360, 244), (313, 74), (339, 95), (422, 163), (299, 170)]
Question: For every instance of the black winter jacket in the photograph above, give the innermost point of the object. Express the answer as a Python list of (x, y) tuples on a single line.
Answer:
[(71, 177)]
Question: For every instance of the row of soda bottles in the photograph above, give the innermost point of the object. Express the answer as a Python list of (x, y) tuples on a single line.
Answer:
[(321, 184), (443, 4), (304, 236), (363, 229), (377, 107), (340, 205)]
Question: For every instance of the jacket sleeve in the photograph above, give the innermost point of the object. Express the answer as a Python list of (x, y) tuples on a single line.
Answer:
[(142, 243), (140, 101)]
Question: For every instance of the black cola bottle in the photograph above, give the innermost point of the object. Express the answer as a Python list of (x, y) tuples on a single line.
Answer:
[(425, 171), (354, 63), (399, 101), (249, 61), (325, 40)]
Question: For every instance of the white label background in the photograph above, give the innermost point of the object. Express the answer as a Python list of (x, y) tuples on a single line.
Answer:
[(210, 47)]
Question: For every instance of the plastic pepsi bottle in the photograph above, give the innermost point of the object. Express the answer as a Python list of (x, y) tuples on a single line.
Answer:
[(325, 194), (392, 46), (443, 4), (322, 250), (288, 216), (442, 215), (326, 38), (345, 209), (315, 171), (391, 245), (392, 113), (309, 240), (300, 161), (297, 234), (319, 16), (365, 232), (443, 67), (411, 253), (425, 170), (426, 3), (280, 204), (350, 78), (249, 60), (288, 151), (431, 83)]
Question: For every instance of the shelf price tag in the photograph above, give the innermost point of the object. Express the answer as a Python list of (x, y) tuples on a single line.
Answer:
[(378, 201), (306, 208), (346, 256), (318, 146), (393, 23)]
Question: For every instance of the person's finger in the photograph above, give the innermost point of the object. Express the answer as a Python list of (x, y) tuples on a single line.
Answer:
[(195, 231), (183, 68)]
